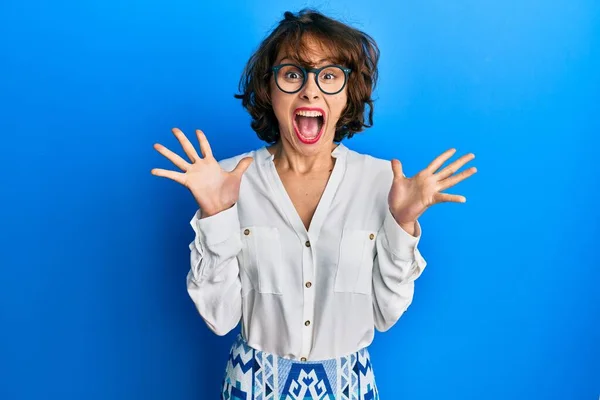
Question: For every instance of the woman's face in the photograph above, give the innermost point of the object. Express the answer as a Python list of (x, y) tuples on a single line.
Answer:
[(307, 119)]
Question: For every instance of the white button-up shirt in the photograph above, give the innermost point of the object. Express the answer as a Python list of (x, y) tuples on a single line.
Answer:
[(305, 294)]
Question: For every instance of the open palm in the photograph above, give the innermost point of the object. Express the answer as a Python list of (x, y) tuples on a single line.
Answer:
[(410, 197), (213, 188)]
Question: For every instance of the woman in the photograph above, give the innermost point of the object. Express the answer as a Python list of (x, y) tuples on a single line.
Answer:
[(310, 244)]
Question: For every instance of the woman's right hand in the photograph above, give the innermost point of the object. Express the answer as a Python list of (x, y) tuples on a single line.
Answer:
[(213, 188)]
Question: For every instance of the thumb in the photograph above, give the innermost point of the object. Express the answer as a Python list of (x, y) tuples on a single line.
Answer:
[(397, 169), (243, 166)]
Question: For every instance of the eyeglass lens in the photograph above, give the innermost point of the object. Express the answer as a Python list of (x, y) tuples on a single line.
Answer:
[(330, 80)]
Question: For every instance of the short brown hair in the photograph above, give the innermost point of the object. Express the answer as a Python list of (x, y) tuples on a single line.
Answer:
[(346, 46)]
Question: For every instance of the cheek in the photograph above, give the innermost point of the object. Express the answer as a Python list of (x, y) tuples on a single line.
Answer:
[(276, 104), (338, 104), (279, 102)]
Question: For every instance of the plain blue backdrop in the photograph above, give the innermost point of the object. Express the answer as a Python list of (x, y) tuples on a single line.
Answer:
[(94, 248)]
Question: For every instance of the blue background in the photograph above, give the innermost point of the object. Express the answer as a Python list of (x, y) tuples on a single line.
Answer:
[(94, 248)]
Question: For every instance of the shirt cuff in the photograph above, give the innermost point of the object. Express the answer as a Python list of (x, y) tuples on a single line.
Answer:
[(400, 242), (217, 228)]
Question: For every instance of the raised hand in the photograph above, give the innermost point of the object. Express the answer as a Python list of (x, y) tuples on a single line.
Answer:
[(410, 197), (213, 188)]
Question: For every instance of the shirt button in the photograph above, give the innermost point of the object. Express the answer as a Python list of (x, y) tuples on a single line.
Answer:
[(371, 236), (307, 323), (308, 284), (303, 359), (307, 244), (246, 232)]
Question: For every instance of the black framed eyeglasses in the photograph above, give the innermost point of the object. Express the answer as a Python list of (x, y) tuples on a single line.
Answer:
[(290, 78)]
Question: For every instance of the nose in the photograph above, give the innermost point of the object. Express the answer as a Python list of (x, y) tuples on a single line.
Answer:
[(310, 91)]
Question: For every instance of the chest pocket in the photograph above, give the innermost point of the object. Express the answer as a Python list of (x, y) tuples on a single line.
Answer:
[(355, 263), (262, 258)]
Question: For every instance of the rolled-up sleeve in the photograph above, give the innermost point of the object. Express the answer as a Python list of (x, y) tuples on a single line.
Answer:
[(397, 264), (213, 281)]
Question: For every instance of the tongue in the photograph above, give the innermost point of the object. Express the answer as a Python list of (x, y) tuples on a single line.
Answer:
[(308, 126)]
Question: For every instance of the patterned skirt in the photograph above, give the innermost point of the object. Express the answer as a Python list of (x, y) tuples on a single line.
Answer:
[(257, 375)]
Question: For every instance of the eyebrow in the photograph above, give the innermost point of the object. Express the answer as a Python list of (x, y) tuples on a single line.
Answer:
[(318, 62)]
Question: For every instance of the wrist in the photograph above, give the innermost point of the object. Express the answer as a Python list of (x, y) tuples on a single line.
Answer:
[(407, 225), (410, 228), (210, 211)]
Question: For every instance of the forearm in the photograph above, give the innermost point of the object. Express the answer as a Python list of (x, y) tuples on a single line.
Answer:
[(397, 264), (218, 298), (213, 281)]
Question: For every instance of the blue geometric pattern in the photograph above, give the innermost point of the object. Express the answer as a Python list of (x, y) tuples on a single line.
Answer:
[(257, 375)]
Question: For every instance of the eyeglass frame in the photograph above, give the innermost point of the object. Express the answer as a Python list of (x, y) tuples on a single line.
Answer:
[(315, 71)]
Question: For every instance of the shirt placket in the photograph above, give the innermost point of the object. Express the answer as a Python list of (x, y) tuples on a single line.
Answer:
[(308, 271), (309, 239)]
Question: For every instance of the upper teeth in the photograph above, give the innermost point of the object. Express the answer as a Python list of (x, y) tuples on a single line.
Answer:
[(305, 113)]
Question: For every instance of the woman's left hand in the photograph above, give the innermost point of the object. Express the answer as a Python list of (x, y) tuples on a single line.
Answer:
[(410, 197)]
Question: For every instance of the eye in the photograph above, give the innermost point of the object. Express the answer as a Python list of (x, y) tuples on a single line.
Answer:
[(293, 75), (330, 74)]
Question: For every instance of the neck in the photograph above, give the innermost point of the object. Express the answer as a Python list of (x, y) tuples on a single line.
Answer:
[(289, 159)]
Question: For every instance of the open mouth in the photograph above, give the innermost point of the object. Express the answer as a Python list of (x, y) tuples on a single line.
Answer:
[(308, 124)]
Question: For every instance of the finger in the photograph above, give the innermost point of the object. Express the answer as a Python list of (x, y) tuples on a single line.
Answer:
[(165, 173), (448, 198), (186, 145), (439, 160), (455, 166), (453, 180), (171, 156), (204, 145), (397, 168), (243, 166)]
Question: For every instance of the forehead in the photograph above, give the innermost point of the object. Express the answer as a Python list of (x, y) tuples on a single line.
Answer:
[(309, 50)]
